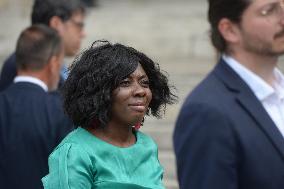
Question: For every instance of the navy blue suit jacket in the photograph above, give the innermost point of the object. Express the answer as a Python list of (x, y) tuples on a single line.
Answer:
[(9, 72), (32, 124), (224, 138)]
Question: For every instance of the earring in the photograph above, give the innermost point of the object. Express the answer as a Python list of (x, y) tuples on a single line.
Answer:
[(138, 125)]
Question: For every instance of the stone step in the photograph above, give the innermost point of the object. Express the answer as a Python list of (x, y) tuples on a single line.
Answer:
[(167, 159), (171, 184), (162, 135)]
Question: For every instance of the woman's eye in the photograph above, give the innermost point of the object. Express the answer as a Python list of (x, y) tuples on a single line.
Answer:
[(145, 83), (124, 83)]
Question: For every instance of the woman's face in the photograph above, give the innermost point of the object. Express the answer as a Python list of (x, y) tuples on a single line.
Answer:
[(131, 98)]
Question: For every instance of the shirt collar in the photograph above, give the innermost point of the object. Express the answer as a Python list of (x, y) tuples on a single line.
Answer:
[(33, 80), (260, 88), (279, 83)]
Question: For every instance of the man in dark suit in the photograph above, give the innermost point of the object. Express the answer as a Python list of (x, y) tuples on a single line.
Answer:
[(67, 18), (230, 131), (32, 121)]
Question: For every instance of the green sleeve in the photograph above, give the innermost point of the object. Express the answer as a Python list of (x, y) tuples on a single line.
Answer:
[(70, 167)]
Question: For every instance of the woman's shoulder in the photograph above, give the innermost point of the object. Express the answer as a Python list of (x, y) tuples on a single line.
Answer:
[(69, 157), (145, 139), (72, 137), (67, 149), (69, 152), (75, 140)]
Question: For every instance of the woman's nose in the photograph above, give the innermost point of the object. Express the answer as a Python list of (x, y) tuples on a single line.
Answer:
[(139, 90)]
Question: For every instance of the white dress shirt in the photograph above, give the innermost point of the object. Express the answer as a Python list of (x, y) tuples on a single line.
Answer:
[(271, 97), (33, 80)]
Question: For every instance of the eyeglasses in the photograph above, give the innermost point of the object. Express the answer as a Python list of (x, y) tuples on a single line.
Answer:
[(273, 9), (79, 25)]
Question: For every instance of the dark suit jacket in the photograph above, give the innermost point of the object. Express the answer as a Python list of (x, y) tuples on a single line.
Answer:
[(32, 123), (224, 138), (9, 72)]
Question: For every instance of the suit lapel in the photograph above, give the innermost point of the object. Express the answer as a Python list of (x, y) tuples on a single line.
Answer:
[(251, 104), (259, 114)]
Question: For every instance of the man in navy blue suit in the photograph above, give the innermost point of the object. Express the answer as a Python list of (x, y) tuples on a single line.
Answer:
[(67, 18), (230, 131), (32, 121)]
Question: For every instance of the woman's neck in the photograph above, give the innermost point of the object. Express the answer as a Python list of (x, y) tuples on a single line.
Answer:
[(115, 135)]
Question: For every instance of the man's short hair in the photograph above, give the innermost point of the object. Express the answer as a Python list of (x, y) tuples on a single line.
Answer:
[(218, 9), (44, 10), (35, 46)]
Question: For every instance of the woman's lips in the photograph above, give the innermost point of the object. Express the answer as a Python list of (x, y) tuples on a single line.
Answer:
[(138, 107)]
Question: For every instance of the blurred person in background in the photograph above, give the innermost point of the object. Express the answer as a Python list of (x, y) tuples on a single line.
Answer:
[(32, 121), (230, 131), (90, 3), (110, 89), (67, 18)]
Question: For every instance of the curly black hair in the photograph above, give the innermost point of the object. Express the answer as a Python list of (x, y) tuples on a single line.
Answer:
[(97, 71)]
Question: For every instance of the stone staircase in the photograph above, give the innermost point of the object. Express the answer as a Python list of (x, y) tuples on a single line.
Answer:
[(173, 33)]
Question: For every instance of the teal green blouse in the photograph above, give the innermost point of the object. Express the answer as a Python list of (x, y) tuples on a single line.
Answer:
[(83, 161)]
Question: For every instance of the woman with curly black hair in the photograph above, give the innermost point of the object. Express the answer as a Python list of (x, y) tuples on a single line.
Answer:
[(110, 89)]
